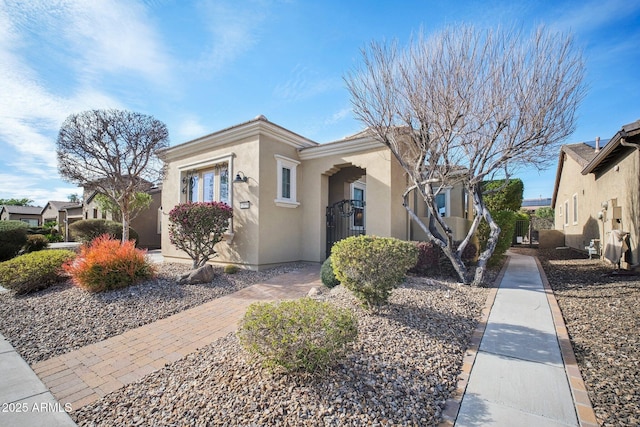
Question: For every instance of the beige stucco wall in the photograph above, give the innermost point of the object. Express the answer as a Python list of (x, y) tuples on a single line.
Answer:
[(616, 186), (242, 155), (385, 182), (280, 227), (456, 219)]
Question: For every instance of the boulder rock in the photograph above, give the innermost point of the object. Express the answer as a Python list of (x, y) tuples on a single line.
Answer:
[(313, 292), (203, 274)]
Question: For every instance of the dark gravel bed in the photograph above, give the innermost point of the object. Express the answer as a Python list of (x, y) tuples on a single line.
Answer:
[(64, 318), (602, 314)]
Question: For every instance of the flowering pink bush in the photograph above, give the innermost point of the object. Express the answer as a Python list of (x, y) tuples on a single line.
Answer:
[(197, 227)]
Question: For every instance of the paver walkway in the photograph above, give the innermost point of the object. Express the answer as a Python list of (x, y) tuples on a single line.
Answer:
[(85, 375), (525, 373)]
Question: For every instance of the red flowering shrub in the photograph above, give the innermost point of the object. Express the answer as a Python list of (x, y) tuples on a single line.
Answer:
[(428, 259), (106, 264), (197, 227)]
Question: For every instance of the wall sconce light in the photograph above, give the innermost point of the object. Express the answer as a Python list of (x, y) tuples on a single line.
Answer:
[(239, 178)]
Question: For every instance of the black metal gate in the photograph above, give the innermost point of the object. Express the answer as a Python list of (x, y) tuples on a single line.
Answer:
[(344, 219), (524, 234)]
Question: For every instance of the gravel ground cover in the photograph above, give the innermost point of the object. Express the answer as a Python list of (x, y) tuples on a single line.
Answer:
[(402, 369), (602, 314), (64, 318)]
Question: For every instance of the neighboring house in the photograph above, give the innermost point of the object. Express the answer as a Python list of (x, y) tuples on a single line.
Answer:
[(597, 191), (146, 223), (91, 209), (292, 197), (28, 214), (63, 213), (531, 205)]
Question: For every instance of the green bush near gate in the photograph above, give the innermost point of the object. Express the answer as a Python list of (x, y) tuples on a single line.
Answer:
[(327, 275), (300, 335), (371, 267)]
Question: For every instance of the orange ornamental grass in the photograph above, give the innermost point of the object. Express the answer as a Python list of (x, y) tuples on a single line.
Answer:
[(105, 264)]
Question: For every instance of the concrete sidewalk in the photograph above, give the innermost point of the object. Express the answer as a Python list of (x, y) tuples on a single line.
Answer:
[(72, 380), (524, 372), (25, 400)]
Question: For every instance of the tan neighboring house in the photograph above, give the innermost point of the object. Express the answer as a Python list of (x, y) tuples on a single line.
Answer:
[(146, 223), (64, 213), (292, 197), (597, 191), (29, 214)]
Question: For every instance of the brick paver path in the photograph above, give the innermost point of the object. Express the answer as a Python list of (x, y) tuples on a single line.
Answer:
[(85, 375)]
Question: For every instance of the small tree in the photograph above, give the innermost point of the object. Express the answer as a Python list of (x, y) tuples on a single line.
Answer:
[(16, 202), (196, 228), (464, 106), (114, 153), (139, 202)]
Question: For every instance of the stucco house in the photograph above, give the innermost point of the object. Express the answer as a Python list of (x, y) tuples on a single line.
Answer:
[(28, 214), (292, 197), (596, 193), (63, 213), (146, 223)]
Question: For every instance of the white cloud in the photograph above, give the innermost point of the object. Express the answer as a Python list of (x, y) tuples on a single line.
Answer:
[(233, 27), (96, 36), (339, 116), (590, 16), (302, 84), (189, 128)]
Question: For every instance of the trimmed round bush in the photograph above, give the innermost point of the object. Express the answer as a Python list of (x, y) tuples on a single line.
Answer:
[(231, 269), (106, 264), (13, 236), (371, 266), (87, 230), (34, 271), (36, 242), (327, 276), (300, 335)]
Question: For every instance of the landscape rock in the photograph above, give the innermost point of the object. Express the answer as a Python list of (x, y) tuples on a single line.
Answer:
[(313, 292), (204, 274)]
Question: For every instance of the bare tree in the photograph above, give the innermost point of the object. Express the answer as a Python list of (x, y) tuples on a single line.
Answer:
[(113, 152), (464, 106)]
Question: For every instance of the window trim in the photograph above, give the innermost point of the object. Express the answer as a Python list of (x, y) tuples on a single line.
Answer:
[(446, 191), (360, 186), (566, 212), (292, 165), (575, 208), (205, 164)]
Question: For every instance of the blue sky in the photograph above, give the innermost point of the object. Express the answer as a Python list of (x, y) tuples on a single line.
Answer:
[(205, 65)]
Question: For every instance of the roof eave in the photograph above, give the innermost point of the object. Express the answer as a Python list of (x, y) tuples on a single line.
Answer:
[(628, 130)]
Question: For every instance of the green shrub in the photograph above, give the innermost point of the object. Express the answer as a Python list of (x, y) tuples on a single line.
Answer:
[(107, 264), (300, 335), (371, 267), (231, 269), (87, 230), (506, 220), (327, 275), (13, 236), (34, 271), (36, 242)]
